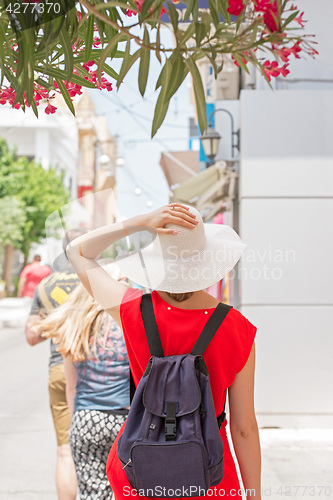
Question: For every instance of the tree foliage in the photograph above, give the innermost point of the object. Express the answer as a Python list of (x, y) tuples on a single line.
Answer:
[(12, 221), (28, 195), (41, 53)]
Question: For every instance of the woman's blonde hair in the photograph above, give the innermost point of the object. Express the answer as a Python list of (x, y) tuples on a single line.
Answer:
[(75, 325)]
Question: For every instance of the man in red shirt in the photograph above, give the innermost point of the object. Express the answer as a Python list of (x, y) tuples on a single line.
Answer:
[(31, 276)]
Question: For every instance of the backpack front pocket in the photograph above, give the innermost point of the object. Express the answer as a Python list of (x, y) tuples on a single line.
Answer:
[(170, 470)]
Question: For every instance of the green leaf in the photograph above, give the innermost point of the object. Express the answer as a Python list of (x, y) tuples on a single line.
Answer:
[(188, 33), (29, 45), (289, 20), (206, 20), (162, 104), (223, 6), (43, 83), (198, 93), (145, 8), (158, 44), (20, 57), (89, 38), (240, 61), (66, 45), (34, 108), (44, 39), (144, 63), (173, 15), (65, 94), (95, 56), (56, 24), (200, 33), (128, 61), (179, 73), (100, 28), (107, 51), (2, 55), (110, 71), (108, 5), (161, 76), (58, 73), (189, 9), (214, 10), (110, 31)]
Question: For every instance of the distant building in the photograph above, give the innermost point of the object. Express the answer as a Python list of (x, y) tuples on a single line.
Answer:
[(51, 140), (97, 163), (80, 146), (283, 211)]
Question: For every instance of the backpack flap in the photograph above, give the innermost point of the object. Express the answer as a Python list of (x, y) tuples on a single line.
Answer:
[(164, 393)]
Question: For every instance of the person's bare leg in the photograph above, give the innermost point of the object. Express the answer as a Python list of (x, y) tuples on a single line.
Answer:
[(65, 474)]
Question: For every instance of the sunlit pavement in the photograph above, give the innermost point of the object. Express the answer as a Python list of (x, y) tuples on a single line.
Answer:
[(296, 463)]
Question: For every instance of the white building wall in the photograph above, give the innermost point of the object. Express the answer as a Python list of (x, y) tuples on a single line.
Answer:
[(286, 207), (52, 140)]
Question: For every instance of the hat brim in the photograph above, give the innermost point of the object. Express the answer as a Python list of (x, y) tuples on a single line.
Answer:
[(186, 273)]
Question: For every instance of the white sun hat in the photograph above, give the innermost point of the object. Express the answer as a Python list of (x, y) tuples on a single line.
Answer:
[(191, 260)]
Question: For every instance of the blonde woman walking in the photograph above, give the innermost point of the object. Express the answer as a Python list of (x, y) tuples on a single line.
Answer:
[(97, 385)]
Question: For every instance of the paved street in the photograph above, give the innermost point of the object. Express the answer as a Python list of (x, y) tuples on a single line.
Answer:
[(28, 446), (296, 463)]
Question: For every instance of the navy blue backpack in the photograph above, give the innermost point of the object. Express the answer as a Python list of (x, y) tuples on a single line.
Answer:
[(171, 445)]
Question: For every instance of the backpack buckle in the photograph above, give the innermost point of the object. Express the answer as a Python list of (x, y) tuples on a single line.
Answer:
[(170, 421), (170, 429)]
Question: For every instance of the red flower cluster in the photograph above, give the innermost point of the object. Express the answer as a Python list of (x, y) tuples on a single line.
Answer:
[(8, 94), (270, 11), (236, 7), (139, 3), (272, 69), (49, 110), (130, 13)]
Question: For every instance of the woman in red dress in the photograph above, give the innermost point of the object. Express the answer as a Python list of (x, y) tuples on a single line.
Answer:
[(186, 257)]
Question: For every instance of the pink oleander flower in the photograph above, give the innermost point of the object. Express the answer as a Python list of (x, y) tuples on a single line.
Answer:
[(96, 42), (283, 53), (270, 12), (139, 4), (300, 21), (105, 84), (236, 63), (272, 69), (295, 49), (236, 7), (130, 13), (284, 71), (50, 109)]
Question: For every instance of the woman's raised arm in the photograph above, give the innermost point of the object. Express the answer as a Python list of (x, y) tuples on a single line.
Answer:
[(244, 428), (83, 252)]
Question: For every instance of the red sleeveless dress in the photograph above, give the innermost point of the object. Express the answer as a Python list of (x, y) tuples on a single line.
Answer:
[(179, 329)]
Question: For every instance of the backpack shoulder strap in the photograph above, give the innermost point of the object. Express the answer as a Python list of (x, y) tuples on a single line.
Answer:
[(149, 322), (211, 328)]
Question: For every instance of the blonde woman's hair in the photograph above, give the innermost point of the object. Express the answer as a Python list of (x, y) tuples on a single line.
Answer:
[(75, 325)]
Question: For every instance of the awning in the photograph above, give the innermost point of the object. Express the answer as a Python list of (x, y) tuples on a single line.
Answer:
[(211, 191), (178, 166)]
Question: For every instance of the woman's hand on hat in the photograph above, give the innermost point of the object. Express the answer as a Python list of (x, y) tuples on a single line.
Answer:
[(174, 213)]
